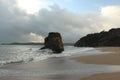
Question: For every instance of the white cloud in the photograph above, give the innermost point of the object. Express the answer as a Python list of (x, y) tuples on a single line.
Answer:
[(111, 16), (33, 37), (31, 6), (110, 11)]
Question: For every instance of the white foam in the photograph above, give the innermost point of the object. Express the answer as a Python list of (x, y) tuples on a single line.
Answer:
[(34, 54)]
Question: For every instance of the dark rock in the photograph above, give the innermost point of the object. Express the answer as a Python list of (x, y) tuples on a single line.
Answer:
[(110, 38), (54, 42)]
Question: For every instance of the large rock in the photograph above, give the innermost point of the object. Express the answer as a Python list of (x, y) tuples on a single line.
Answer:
[(54, 42), (110, 38)]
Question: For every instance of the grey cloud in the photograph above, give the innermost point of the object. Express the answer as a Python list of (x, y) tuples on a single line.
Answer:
[(15, 24)]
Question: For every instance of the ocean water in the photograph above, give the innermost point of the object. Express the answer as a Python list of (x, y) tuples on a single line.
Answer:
[(27, 53)]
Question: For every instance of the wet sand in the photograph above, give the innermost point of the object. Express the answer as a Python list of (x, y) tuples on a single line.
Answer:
[(112, 58), (55, 68), (104, 76)]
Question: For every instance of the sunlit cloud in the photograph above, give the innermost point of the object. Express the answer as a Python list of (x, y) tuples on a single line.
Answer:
[(111, 16), (33, 37), (110, 11), (32, 6)]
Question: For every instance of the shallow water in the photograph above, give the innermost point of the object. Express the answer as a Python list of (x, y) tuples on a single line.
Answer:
[(27, 53), (61, 68), (48, 66)]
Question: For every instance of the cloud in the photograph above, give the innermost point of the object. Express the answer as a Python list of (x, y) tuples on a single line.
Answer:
[(111, 16), (33, 37), (110, 11), (18, 26)]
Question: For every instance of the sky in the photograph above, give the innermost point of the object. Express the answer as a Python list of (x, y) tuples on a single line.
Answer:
[(32, 20)]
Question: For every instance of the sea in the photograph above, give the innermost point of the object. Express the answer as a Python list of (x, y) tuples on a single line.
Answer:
[(32, 53), (28, 62)]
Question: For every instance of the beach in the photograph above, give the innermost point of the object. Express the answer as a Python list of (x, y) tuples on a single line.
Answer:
[(30, 63), (110, 58), (104, 76)]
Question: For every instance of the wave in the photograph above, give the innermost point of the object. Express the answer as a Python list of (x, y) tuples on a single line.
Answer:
[(34, 54)]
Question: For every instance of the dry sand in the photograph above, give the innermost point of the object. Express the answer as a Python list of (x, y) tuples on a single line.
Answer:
[(108, 59)]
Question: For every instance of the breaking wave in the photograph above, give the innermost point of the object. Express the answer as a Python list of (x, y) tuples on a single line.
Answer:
[(24, 54)]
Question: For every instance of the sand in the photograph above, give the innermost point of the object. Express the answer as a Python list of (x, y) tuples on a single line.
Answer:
[(110, 59), (104, 76), (107, 59)]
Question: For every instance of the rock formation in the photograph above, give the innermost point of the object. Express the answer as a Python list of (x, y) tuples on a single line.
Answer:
[(54, 42), (110, 38)]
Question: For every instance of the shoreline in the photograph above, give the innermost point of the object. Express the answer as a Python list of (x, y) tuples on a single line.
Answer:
[(62, 68), (112, 58)]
